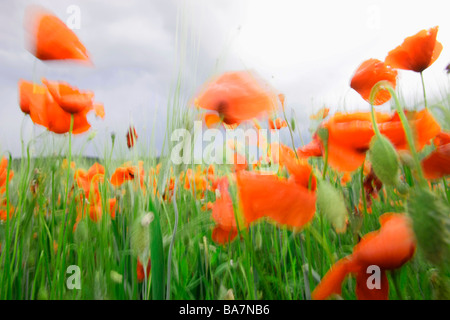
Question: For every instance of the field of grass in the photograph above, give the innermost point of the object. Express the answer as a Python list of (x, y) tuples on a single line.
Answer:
[(370, 190), (266, 261)]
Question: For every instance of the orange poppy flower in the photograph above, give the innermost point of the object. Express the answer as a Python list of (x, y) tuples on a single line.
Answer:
[(140, 270), (369, 73), (321, 114), (25, 92), (53, 104), (89, 182), (277, 124), (311, 149), (417, 52), (3, 178), (131, 137), (128, 173), (349, 135), (437, 164), (69, 98), (388, 248), (223, 214), (3, 174), (290, 202), (235, 97), (51, 39)]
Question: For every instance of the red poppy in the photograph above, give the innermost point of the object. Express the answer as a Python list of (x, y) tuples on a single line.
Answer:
[(235, 97), (127, 172), (223, 214), (89, 182), (369, 73), (3, 179), (417, 52), (311, 149), (388, 248), (290, 202), (69, 98), (51, 39), (53, 105), (141, 273), (349, 135), (277, 124), (321, 114), (437, 164), (131, 137)]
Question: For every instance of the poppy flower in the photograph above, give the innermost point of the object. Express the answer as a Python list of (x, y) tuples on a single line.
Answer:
[(69, 98), (196, 182), (277, 124), (290, 202), (235, 97), (141, 272), (321, 114), (417, 52), (51, 39), (127, 172), (131, 137), (311, 149), (369, 73), (349, 135), (89, 182), (223, 214), (4, 174), (437, 164), (3, 179), (53, 104), (388, 248)]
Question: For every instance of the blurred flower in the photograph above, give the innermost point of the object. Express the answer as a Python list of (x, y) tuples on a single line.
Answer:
[(131, 137), (321, 114), (388, 248), (89, 182), (141, 273), (349, 135), (51, 39), (277, 124), (235, 97), (127, 172), (223, 214), (53, 104), (4, 177), (290, 202), (417, 52), (369, 73), (437, 164)]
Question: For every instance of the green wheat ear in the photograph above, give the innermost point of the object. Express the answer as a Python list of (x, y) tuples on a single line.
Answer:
[(431, 225)]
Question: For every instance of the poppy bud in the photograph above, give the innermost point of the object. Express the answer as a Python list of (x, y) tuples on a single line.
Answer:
[(140, 237), (293, 124), (330, 203), (385, 161), (431, 225)]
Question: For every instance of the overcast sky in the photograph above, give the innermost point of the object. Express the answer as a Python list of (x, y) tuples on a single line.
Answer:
[(308, 50)]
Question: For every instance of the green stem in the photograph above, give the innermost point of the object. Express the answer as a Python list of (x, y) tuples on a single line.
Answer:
[(424, 93), (408, 133)]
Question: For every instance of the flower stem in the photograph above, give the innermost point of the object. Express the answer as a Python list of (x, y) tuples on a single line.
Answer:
[(408, 134), (424, 93)]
